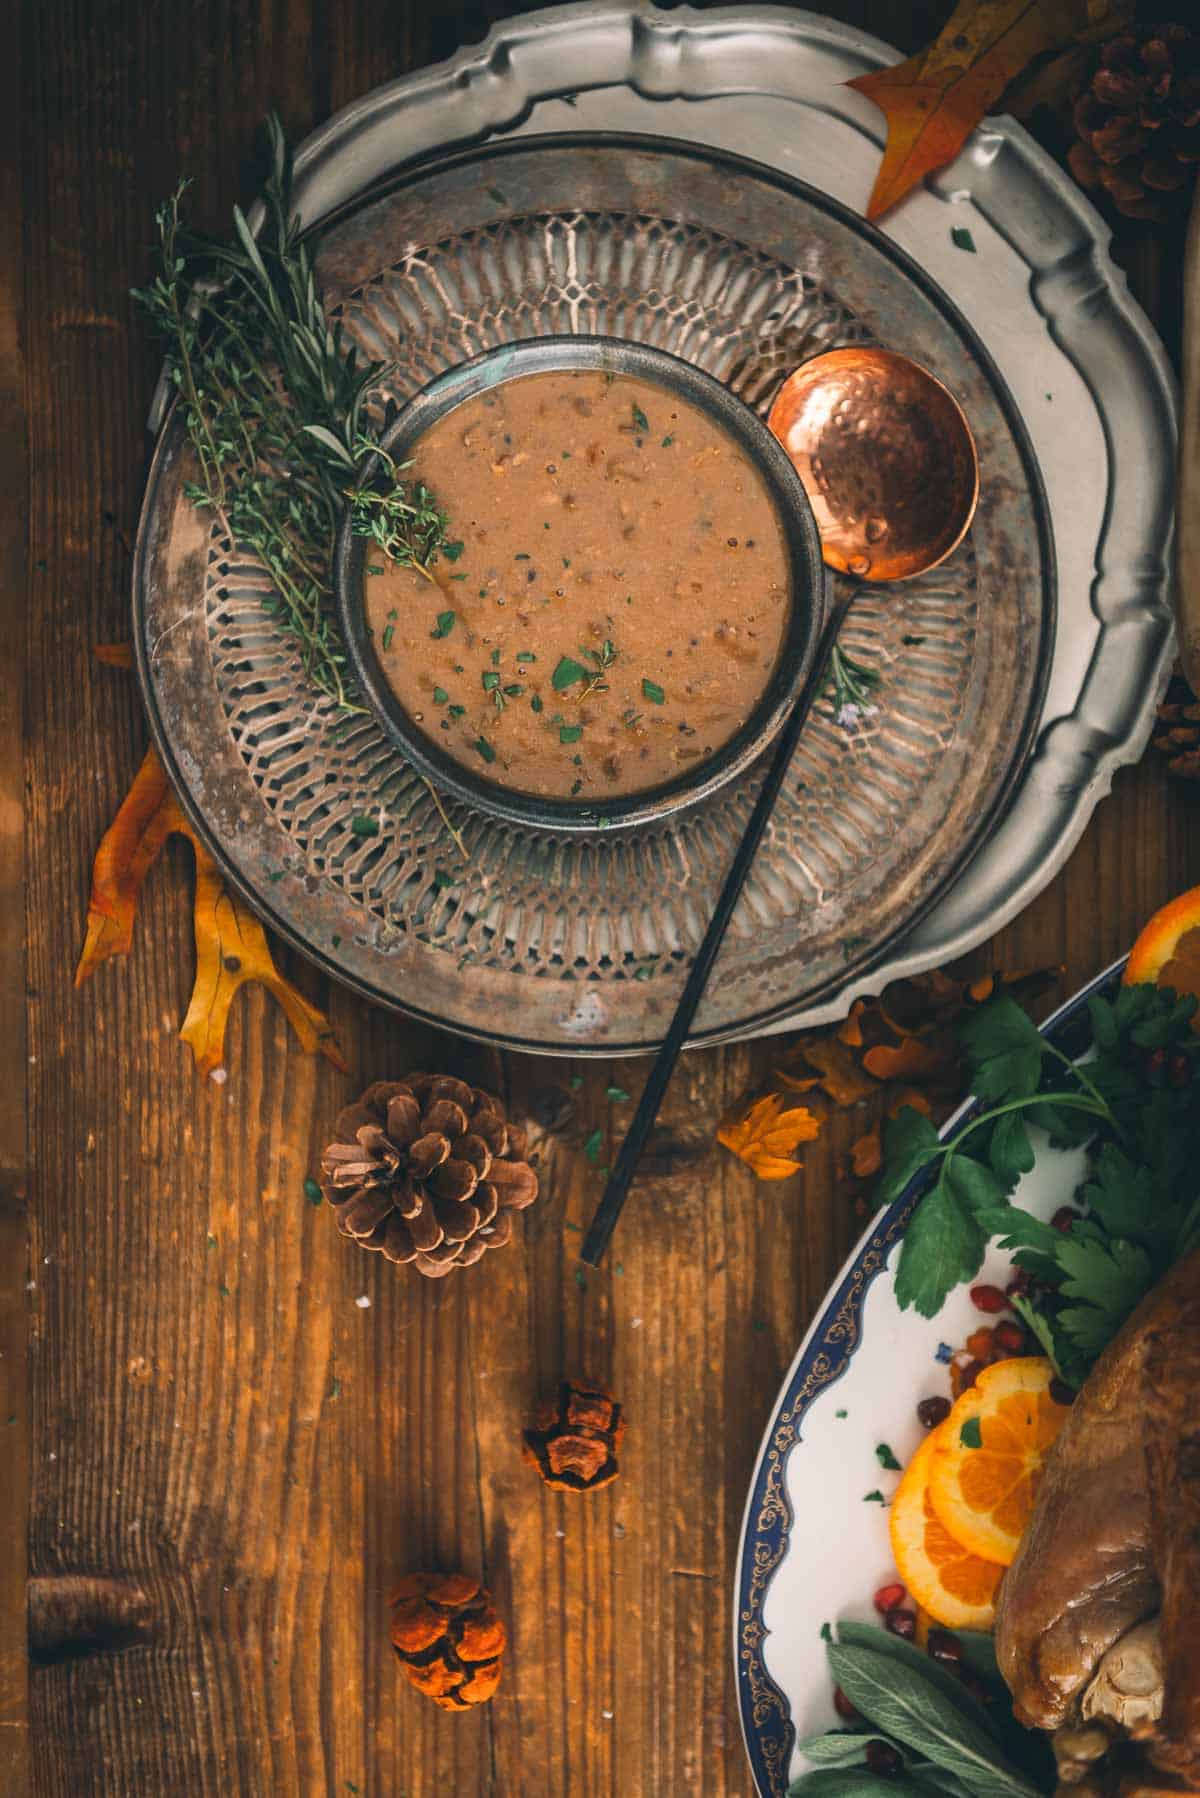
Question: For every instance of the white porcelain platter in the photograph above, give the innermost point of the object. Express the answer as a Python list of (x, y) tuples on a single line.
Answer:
[(814, 1546)]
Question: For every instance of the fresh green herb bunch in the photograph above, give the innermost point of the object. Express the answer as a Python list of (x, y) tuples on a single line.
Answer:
[(923, 1724), (849, 684), (1131, 1105), (274, 401)]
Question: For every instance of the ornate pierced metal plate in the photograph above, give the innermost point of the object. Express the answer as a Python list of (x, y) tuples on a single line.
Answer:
[(537, 941)]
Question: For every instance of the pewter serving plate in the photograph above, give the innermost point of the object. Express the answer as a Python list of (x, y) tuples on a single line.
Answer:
[(744, 270), (856, 1382)]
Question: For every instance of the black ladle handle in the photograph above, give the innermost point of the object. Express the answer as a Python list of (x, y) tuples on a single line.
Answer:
[(617, 1189)]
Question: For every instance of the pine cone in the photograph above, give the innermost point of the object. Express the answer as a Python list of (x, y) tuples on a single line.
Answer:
[(1138, 121), (427, 1169), (448, 1638), (575, 1438), (1177, 729)]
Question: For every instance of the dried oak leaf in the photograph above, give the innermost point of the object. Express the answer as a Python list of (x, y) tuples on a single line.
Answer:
[(448, 1638), (935, 99), (231, 945), (767, 1135)]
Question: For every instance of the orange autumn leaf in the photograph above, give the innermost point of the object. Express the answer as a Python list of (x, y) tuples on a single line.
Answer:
[(934, 100), (232, 949), (910, 1059), (767, 1136), (838, 1068), (231, 946), (866, 1154)]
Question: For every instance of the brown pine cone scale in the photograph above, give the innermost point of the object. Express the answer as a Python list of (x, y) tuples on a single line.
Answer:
[(448, 1638), (427, 1170), (575, 1438), (1138, 120)]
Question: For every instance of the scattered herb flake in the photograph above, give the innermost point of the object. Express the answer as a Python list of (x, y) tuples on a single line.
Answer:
[(653, 692), (440, 696), (485, 749), (840, 1414), (617, 1094), (312, 1191), (971, 1435), (570, 733), (526, 655), (579, 1280), (445, 624), (535, 704), (886, 1458), (567, 673), (874, 1498), (363, 826), (962, 238), (641, 422), (442, 880), (456, 711), (490, 679), (667, 441), (593, 1145)]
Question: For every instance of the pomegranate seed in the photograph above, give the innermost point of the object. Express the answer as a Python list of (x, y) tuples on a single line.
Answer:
[(843, 1706), (1156, 1065), (988, 1298), (1021, 1284), (945, 1647), (1179, 1070), (888, 1597), (884, 1760), (1064, 1217), (1009, 1338), (932, 1411), (1061, 1393), (980, 1344), (901, 1623)]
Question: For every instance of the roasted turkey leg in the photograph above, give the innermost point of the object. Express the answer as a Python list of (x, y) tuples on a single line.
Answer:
[(1115, 1532)]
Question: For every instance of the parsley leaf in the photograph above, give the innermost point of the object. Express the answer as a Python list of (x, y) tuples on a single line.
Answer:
[(567, 673), (910, 1141), (1004, 1050), (943, 1246), (1112, 1278)]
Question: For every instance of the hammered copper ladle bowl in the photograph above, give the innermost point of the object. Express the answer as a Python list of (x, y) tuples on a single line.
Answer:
[(888, 462)]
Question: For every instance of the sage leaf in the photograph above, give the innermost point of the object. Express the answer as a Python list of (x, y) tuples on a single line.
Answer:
[(882, 1641), (836, 1748), (908, 1706), (326, 437), (830, 1782)]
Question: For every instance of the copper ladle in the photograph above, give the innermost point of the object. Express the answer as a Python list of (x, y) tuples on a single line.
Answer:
[(890, 468)]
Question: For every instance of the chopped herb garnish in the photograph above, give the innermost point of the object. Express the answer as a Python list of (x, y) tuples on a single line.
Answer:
[(495, 658), (445, 624), (971, 1435), (886, 1458), (452, 551), (440, 696), (841, 1414), (526, 655), (567, 673), (653, 692), (312, 1191), (458, 577), (515, 690), (576, 787), (570, 733), (485, 749), (364, 827), (456, 711), (388, 634), (962, 238), (576, 1081), (490, 679), (874, 1498), (667, 441), (641, 422), (593, 1145), (374, 567), (442, 880), (566, 561), (535, 704), (617, 1094), (521, 556), (643, 974)]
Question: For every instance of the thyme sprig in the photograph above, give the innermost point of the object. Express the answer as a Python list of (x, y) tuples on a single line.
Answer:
[(275, 402)]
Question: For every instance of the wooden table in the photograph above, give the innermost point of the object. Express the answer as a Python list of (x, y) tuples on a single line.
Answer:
[(199, 1402)]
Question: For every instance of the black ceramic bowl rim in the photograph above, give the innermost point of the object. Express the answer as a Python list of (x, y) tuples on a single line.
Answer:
[(809, 585)]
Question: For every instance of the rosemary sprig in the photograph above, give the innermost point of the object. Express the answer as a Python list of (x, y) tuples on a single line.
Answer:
[(275, 404), (849, 686)]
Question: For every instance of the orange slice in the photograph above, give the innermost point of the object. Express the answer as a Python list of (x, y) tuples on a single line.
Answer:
[(1168, 949), (982, 1488), (953, 1587)]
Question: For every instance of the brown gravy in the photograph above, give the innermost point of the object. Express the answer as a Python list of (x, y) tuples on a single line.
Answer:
[(620, 598)]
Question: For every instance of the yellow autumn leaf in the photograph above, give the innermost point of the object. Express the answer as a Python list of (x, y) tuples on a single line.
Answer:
[(767, 1135)]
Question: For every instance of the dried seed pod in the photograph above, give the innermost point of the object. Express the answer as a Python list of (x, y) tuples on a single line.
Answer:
[(448, 1638), (575, 1436)]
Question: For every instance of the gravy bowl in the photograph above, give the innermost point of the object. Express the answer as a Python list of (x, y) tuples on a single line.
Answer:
[(804, 576)]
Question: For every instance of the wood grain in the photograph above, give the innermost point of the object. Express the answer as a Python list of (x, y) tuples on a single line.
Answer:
[(218, 1421)]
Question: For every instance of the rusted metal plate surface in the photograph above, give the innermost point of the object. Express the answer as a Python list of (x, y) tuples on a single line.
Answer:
[(533, 941)]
